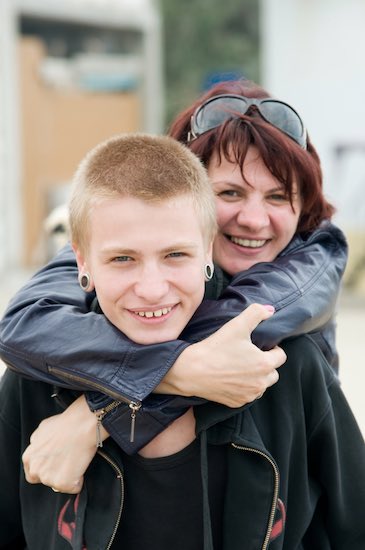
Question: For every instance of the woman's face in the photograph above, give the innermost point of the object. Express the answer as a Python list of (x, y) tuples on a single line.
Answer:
[(255, 217)]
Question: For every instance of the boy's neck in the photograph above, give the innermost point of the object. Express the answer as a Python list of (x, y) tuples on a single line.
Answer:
[(173, 439)]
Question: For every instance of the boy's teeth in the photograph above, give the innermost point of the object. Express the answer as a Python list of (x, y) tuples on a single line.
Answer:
[(157, 313), (251, 243)]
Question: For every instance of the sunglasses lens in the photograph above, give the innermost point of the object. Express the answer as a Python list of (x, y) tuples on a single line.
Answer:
[(216, 112), (285, 119)]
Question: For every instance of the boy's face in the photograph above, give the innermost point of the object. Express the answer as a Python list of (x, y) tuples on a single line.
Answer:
[(146, 262)]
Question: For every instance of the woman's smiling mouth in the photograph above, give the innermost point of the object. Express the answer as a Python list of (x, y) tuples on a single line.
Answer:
[(247, 243)]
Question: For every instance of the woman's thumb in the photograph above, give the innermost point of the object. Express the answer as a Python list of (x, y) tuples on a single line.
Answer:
[(253, 315)]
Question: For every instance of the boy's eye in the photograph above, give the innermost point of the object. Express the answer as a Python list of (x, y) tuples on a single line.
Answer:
[(176, 254), (122, 259)]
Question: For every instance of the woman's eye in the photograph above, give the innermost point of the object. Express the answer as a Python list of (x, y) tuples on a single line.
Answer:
[(228, 194), (279, 197)]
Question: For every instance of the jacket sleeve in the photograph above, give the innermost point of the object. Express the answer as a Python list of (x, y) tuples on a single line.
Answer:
[(302, 284), (49, 334), (11, 531), (321, 430), (336, 458)]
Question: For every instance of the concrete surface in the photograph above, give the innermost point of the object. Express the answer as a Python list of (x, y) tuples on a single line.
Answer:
[(350, 338)]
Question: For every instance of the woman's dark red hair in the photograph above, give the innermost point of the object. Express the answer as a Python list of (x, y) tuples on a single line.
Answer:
[(285, 159)]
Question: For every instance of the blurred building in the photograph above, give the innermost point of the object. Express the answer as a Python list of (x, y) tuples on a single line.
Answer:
[(74, 72), (71, 74), (313, 56)]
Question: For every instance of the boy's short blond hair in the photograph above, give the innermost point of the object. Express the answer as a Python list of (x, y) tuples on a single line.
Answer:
[(147, 167)]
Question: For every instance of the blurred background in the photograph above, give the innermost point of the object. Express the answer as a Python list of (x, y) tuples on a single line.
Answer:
[(74, 72)]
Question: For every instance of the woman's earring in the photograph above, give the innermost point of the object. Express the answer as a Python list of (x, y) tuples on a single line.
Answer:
[(85, 281), (208, 271)]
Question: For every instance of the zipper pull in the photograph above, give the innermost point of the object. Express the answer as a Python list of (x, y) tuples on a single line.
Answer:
[(99, 416), (134, 408)]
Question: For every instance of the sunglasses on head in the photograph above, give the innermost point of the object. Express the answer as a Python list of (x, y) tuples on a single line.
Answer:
[(217, 110)]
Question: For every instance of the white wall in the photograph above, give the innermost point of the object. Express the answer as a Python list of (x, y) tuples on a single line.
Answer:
[(10, 221), (313, 55), (141, 14)]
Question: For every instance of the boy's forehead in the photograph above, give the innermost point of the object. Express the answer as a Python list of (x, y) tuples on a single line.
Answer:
[(179, 207), (133, 224), (119, 200)]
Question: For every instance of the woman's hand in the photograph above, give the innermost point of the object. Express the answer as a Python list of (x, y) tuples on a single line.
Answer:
[(227, 367), (62, 447)]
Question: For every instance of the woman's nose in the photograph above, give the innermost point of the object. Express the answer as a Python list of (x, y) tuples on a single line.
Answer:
[(253, 214)]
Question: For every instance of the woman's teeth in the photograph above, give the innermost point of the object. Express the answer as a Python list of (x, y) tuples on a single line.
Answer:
[(250, 243), (157, 313)]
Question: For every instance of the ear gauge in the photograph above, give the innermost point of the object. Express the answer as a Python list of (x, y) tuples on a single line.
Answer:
[(208, 271), (85, 281)]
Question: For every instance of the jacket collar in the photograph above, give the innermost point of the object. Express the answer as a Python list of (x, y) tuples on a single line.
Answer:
[(227, 425)]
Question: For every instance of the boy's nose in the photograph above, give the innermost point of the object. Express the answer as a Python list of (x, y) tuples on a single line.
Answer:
[(152, 285)]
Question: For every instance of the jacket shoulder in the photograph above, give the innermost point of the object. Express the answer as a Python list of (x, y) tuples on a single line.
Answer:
[(307, 363)]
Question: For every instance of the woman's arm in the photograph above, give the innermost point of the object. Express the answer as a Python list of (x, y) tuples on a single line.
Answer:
[(302, 284), (48, 332), (46, 338), (63, 445), (325, 255)]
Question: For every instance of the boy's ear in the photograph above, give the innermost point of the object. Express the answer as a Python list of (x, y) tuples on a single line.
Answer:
[(80, 259), (82, 267), (209, 253)]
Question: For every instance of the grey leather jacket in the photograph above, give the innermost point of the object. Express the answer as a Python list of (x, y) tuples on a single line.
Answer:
[(50, 333)]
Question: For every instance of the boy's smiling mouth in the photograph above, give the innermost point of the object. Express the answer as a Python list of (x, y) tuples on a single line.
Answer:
[(155, 313)]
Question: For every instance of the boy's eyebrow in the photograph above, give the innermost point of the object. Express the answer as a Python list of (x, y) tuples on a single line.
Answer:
[(180, 246), (120, 250)]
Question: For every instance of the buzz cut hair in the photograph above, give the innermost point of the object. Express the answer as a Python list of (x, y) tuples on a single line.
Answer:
[(148, 167)]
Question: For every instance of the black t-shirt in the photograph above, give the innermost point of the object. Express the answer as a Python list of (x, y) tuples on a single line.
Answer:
[(163, 507)]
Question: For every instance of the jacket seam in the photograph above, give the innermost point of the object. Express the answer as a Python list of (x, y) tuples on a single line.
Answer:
[(8, 424), (159, 375), (299, 292), (319, 422)]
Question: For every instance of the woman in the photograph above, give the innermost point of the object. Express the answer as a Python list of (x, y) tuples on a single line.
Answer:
[(300, 277), (287, 473)]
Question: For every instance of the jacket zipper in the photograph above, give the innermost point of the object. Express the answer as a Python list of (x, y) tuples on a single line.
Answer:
[(121, 481), (133, 405), (100, 413), (276, 489), (134, 409), (103, 389)]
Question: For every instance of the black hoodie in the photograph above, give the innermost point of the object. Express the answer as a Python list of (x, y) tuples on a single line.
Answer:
[(295, 469)]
